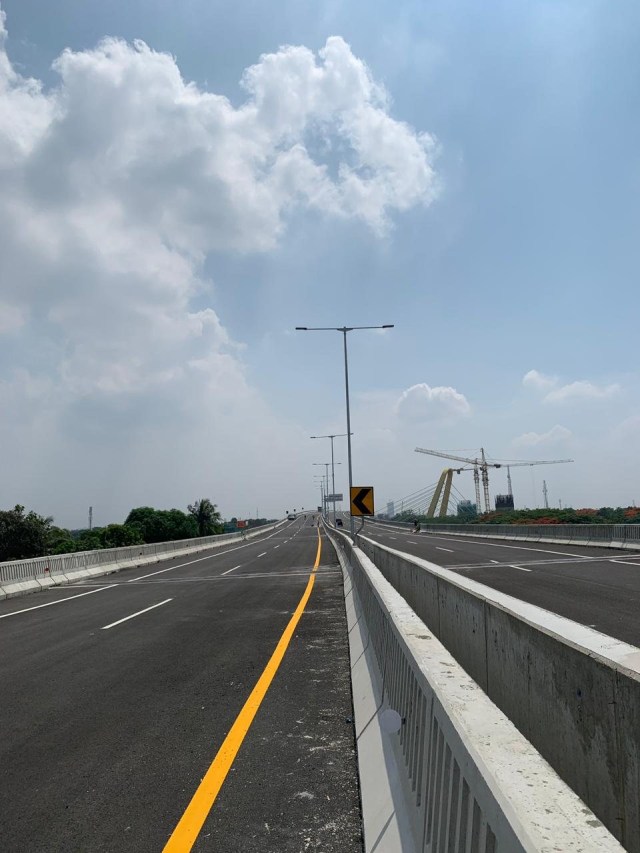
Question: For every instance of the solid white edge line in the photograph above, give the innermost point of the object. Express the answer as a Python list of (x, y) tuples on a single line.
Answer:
[(230, 570), (59, 601), (139, 613)]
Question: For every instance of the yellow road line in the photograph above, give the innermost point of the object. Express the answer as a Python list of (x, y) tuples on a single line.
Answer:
[(186, 832)]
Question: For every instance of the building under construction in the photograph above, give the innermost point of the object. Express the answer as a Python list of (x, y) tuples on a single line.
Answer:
[(504, 503)]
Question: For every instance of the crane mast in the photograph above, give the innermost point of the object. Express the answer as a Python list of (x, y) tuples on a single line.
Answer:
[(476, 480), (485, 482)]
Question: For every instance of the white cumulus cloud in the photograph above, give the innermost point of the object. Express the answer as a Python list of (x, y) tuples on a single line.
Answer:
[(627, 430), (581, 390), (535, 379), (423, 403), (556, 435)]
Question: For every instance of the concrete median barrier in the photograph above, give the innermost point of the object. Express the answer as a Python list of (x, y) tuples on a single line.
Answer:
[(441, 767), (573, 692)]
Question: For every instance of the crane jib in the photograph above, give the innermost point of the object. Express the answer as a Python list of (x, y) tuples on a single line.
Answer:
[(481, 469)]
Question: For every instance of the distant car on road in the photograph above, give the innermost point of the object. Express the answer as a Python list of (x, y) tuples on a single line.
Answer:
[(291, 517), (338, 522)]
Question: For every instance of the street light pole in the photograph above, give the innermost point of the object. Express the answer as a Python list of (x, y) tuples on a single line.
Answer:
[(326, 477), (325, 485), (319, 481), (321, 495), (326, 494), (346, 388), (333, 484), (333, 470), (344, 330)]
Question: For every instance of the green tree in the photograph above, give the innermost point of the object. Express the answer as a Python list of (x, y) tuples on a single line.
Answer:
[(60, 541), (119, 535), (206, 516), (23, 535), (89, 540), (162, 525)]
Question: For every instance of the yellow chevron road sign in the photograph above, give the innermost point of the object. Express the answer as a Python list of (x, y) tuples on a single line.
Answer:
[(362, 500)]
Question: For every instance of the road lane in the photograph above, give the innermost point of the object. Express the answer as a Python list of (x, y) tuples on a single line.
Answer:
[(197, 812), (598, 587), (106, 734)]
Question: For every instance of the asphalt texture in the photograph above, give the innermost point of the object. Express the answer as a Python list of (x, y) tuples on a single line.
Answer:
[(598, 587), (106, 732)]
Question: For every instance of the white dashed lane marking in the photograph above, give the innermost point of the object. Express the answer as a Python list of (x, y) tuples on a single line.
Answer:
[(139, 613)]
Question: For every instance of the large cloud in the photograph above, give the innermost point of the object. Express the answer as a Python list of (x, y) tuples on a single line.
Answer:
[(114, 188), (423, 403)]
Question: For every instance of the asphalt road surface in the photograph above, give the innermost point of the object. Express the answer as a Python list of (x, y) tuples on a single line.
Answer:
[(598, 587), (118, 693)]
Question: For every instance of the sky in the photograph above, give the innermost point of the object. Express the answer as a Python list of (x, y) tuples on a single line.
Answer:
[(182, 184)]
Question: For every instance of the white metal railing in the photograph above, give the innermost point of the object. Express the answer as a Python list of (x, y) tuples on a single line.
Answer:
[(39, 568)]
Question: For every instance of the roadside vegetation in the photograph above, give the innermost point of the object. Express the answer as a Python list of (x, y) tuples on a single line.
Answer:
[(27, 534), (604, 515)]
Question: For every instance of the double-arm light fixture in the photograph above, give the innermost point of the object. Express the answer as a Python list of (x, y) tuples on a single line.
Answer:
[(344, 330)]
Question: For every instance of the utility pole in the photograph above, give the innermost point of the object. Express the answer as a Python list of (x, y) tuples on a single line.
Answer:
[(546, 494)]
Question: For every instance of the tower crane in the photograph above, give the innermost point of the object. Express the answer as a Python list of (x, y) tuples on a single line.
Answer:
[(481, 467)]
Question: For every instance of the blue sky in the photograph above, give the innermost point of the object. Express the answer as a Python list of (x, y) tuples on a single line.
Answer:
[(469, 172)]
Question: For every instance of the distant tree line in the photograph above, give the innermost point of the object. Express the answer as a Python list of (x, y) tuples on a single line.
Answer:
[(27, 534), (604, 515)]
